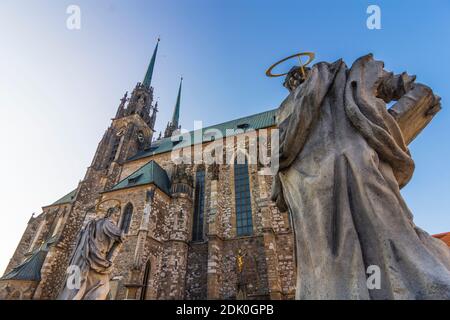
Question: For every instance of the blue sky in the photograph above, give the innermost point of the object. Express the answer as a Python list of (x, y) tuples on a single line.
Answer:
[(60, 88)]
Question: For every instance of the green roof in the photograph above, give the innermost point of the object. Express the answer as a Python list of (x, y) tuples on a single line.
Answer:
[(30, 268), (256, 121), (149, 173), (66, 199)]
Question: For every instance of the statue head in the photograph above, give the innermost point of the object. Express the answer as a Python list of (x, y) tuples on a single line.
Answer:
[(113, 213), (295, 77)]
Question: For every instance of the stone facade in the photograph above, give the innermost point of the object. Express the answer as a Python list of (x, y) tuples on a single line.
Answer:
[(160, 258), (179, 267)]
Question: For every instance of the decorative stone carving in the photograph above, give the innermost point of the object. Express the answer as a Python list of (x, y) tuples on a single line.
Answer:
[(94, 254)]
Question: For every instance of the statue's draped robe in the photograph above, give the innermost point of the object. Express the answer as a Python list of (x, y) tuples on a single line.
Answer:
[(342, 160), (93, 255)]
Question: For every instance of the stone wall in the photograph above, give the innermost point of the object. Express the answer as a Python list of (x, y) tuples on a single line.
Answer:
[(286, 264), (196, 273), (254, 270), (161, 241), (17, 289), (141, 245)]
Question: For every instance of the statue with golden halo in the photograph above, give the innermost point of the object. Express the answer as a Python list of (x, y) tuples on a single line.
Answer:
[(93, 257), (343, 158)]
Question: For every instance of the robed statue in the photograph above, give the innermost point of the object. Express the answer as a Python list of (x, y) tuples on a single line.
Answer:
[(93, 258), (343, 159)]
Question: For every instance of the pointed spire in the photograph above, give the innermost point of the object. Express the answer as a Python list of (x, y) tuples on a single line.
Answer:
[(148, 76), (121, 108), (172, 126), (176, 111)]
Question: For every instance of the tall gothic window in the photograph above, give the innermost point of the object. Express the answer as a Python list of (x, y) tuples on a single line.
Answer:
[(115, 147), (197, 228), (126, 219), (145, 280), (244, 224)]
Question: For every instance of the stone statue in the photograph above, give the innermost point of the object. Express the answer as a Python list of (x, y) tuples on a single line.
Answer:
[(94, 253), (241, 289), (240, 261), (141, 102), (343, 159)]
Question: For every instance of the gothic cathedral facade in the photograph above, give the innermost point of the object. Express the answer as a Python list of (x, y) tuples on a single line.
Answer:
[(185, 224)]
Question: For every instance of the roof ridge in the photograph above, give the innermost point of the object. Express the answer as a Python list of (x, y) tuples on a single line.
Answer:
[(151, 172), (62, 199), (165, 145), (127, 177), (249, 116), (439, 235), (229, 121)]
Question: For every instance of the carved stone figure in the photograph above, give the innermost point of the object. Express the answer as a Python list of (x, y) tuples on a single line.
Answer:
[(141, 102), (123, 100), (94, 254), (343, 160), (240, 261), (241, 289)]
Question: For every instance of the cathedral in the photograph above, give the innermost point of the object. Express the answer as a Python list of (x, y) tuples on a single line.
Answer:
[(192, 230)]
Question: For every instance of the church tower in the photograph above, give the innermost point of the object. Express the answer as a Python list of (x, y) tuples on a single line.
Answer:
[(131, 130), (173, 124)]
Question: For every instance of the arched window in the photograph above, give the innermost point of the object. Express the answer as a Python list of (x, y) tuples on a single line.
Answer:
[(115, 147), (199, 206), (145, 280), (244, 224), (126, 219)]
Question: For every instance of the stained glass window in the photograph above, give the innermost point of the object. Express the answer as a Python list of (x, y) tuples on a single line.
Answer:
[(197, 228), (126, 220), (244, 224)]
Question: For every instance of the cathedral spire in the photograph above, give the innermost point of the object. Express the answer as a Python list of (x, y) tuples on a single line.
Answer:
[(173, 125), (176, 110), (148, 76)]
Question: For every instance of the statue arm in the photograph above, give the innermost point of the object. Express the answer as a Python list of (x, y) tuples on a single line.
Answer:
[(416, 103), (111, 256), (116, 235)]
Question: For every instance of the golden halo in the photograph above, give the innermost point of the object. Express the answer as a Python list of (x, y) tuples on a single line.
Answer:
[(97, 207), (311, 56)]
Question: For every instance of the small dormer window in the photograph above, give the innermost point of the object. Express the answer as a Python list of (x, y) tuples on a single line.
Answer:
[(243, 126), (134, 180), (177, 141)]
